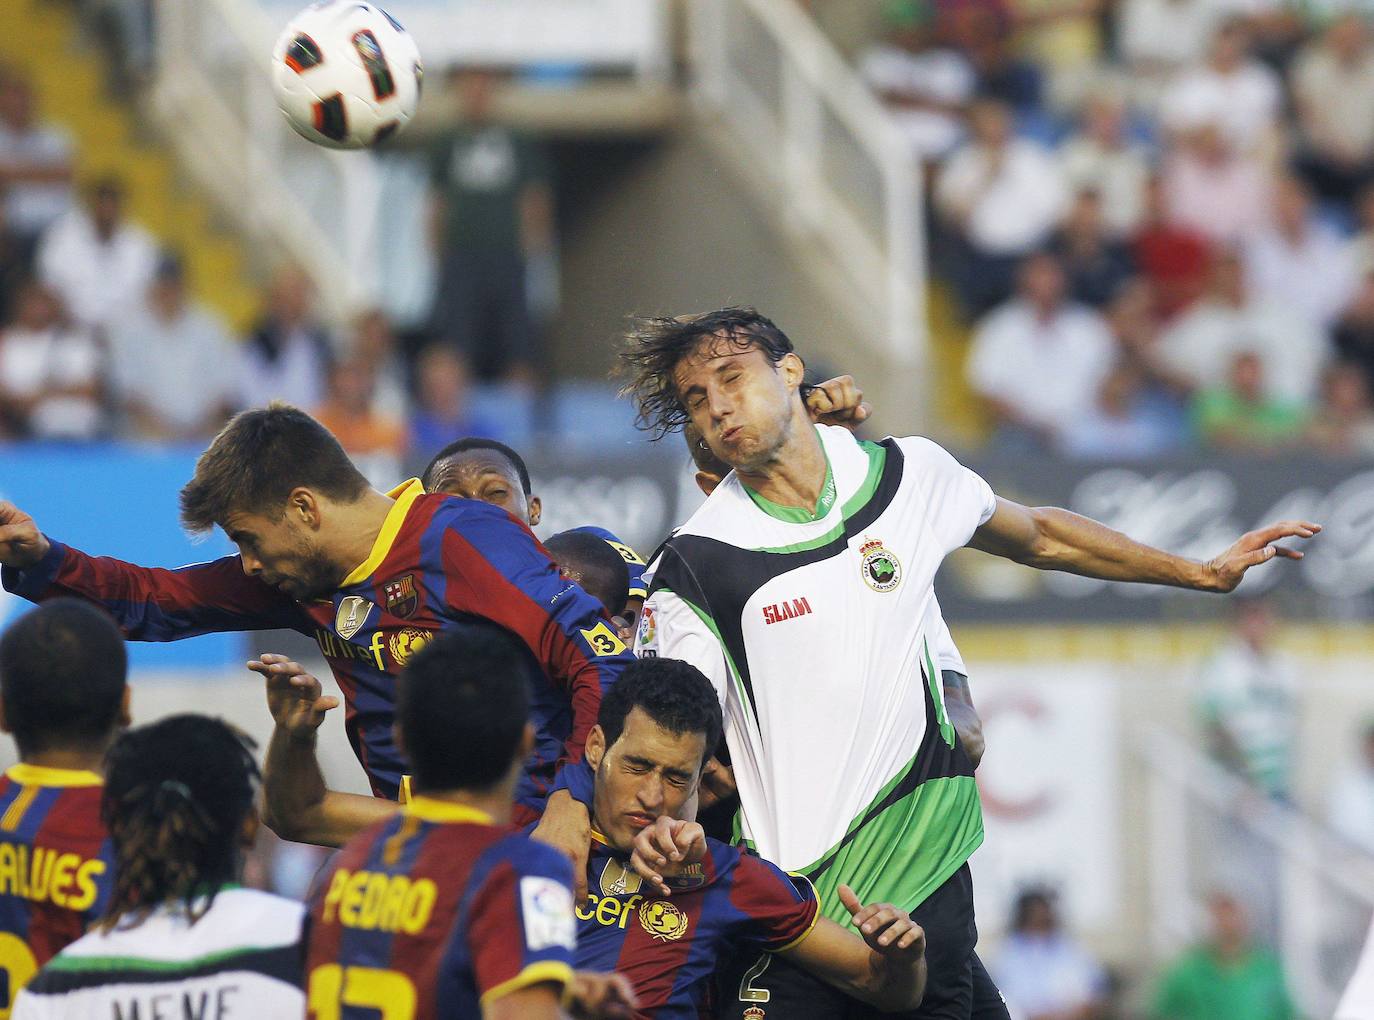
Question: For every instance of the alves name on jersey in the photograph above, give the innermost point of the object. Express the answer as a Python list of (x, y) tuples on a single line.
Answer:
[(441, 911), (437, 560), (731, 905), (56, 868)]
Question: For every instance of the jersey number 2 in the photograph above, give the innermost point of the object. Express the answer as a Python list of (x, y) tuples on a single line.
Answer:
[(332, 987)]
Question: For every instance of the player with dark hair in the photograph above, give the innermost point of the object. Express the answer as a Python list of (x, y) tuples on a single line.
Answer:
[(179, 805), (371, 576), (64, 698), (802, 589), (591, 562), (443, 911)]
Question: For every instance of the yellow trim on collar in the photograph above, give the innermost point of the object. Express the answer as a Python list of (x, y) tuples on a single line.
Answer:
[(553, 971), (428, 809), (404, 494), (41, 775)]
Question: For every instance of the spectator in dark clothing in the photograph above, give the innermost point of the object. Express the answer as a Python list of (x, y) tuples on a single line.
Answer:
[(1354, 331), (289, 355), (1096, 265), (493, 213), (441, 412)]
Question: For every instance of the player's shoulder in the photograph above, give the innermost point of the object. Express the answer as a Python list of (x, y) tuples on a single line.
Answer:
[(528, 856)]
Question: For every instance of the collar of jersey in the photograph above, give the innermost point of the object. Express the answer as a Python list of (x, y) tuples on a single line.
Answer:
[(41, 775), (404, 495), (795, 514), (428, 809)]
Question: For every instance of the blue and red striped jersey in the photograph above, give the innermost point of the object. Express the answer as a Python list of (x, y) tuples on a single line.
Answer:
[(437, 560), (56, 867), (731, 904), (439, 909)]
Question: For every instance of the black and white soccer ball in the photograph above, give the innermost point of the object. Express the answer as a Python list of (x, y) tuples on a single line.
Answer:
[(346, 74)]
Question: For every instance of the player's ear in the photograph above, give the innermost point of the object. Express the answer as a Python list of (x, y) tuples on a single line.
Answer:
[(707, 481), (303, 508), (248, 832), (126, 714), (793, 370), (536, 510), (527, 740), (595, 747)]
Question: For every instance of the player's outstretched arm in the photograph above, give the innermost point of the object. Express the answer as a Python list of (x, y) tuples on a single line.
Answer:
[(297, 805), (838, 401), (885, 968), (22, 545), (1050, 538)]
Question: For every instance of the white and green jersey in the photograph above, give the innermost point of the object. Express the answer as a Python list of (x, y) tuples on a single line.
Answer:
[(820, 632), (244, 957)]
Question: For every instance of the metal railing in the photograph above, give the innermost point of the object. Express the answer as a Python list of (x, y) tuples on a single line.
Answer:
[(840, 173), (213, 96), (1306, 889)]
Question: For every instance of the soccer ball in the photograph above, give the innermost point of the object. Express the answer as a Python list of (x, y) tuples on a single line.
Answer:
[(346, 74)]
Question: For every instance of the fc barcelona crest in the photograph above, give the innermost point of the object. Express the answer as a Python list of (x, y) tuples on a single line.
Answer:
[(401, 597)]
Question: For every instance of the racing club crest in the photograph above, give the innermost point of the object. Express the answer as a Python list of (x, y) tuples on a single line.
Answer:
[(663, 920), (881, 570), (401, 598)]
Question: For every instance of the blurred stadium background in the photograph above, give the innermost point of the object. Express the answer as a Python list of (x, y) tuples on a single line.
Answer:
[(1119, 254)]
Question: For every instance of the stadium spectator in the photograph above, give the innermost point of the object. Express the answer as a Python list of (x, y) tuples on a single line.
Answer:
[(1044, 973), (1101, 157), (1229, 90), (375, 343), (441, 413), (1214, 188), (1200, 346), (1247, 701), (375, 440), (492, 214), (289, 354), (35, 162), (1333, 94), (95, 259), (1350, 807), (173, 364), (925, 86), (1298, 261), (1243, 415), (1039, 360), (981, 31), (1001, 196), (1127, 422), (1343, 425), (1096, 265), (1353, 334), (1063, 37), (1158, 39), (1174, 258), (1226, 976), (50, 372), (13, 263)]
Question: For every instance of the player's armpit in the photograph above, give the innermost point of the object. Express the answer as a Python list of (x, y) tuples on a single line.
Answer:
[(536, 1002), (964, 716)]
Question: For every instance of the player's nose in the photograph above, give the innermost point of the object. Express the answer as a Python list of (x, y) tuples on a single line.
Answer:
[(651, 793)]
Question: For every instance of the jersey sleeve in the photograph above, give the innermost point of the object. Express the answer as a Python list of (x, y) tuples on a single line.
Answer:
[(671, 627), (959, 501), (521, 927), (158, 603), (779, 910), (639, 587), (495, 567)]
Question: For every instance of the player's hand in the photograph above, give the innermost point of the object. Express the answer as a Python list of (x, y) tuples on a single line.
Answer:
[(717, 784), (1225, 572), (593, 994), (888, 931), (567, 826), (22, 545), (663, 848), (838, 401), (295, 698)]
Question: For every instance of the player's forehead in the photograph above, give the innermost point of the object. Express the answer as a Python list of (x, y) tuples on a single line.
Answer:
[(714, 355), (243, 524), (474, 467), (644, 738)]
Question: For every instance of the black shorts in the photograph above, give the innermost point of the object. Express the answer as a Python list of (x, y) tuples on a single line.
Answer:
[(958, 986)]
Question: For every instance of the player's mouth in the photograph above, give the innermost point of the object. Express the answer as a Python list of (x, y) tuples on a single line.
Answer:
[(731, 434), (638, 820)]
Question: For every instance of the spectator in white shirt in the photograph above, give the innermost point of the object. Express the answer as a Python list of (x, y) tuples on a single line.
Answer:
[(1211, 187), (290, 354), (1002, 197), (1039, 360), (1299, 261), (98, 262), (1333, 90), (35, 162), (1159, 38), (1200, 345), (1101, 158), (176, 371), (1350, 810), (1042, 971), (1231, 90), (50, 372)]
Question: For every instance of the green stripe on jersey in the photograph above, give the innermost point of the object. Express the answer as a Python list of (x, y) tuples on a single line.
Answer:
[(877, 457), (907, 851), (795, 514), (144, 965)]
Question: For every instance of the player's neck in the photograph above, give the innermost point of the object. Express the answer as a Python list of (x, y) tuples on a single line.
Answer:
[(494, 803), (795, 475), (360, 524), (75, 760)]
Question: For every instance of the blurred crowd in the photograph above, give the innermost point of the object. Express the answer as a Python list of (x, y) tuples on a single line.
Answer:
[(101, 335), (1157, 215)]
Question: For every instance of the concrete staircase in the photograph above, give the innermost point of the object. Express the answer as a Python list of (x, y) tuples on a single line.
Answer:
[(43, 41)]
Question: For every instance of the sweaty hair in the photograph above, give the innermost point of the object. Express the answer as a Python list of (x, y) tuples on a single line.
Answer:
[(602, 570), (654, 347), (477, 443), (177, 793), (258, 459), (671, 692), (63, 673), (462, 703)]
